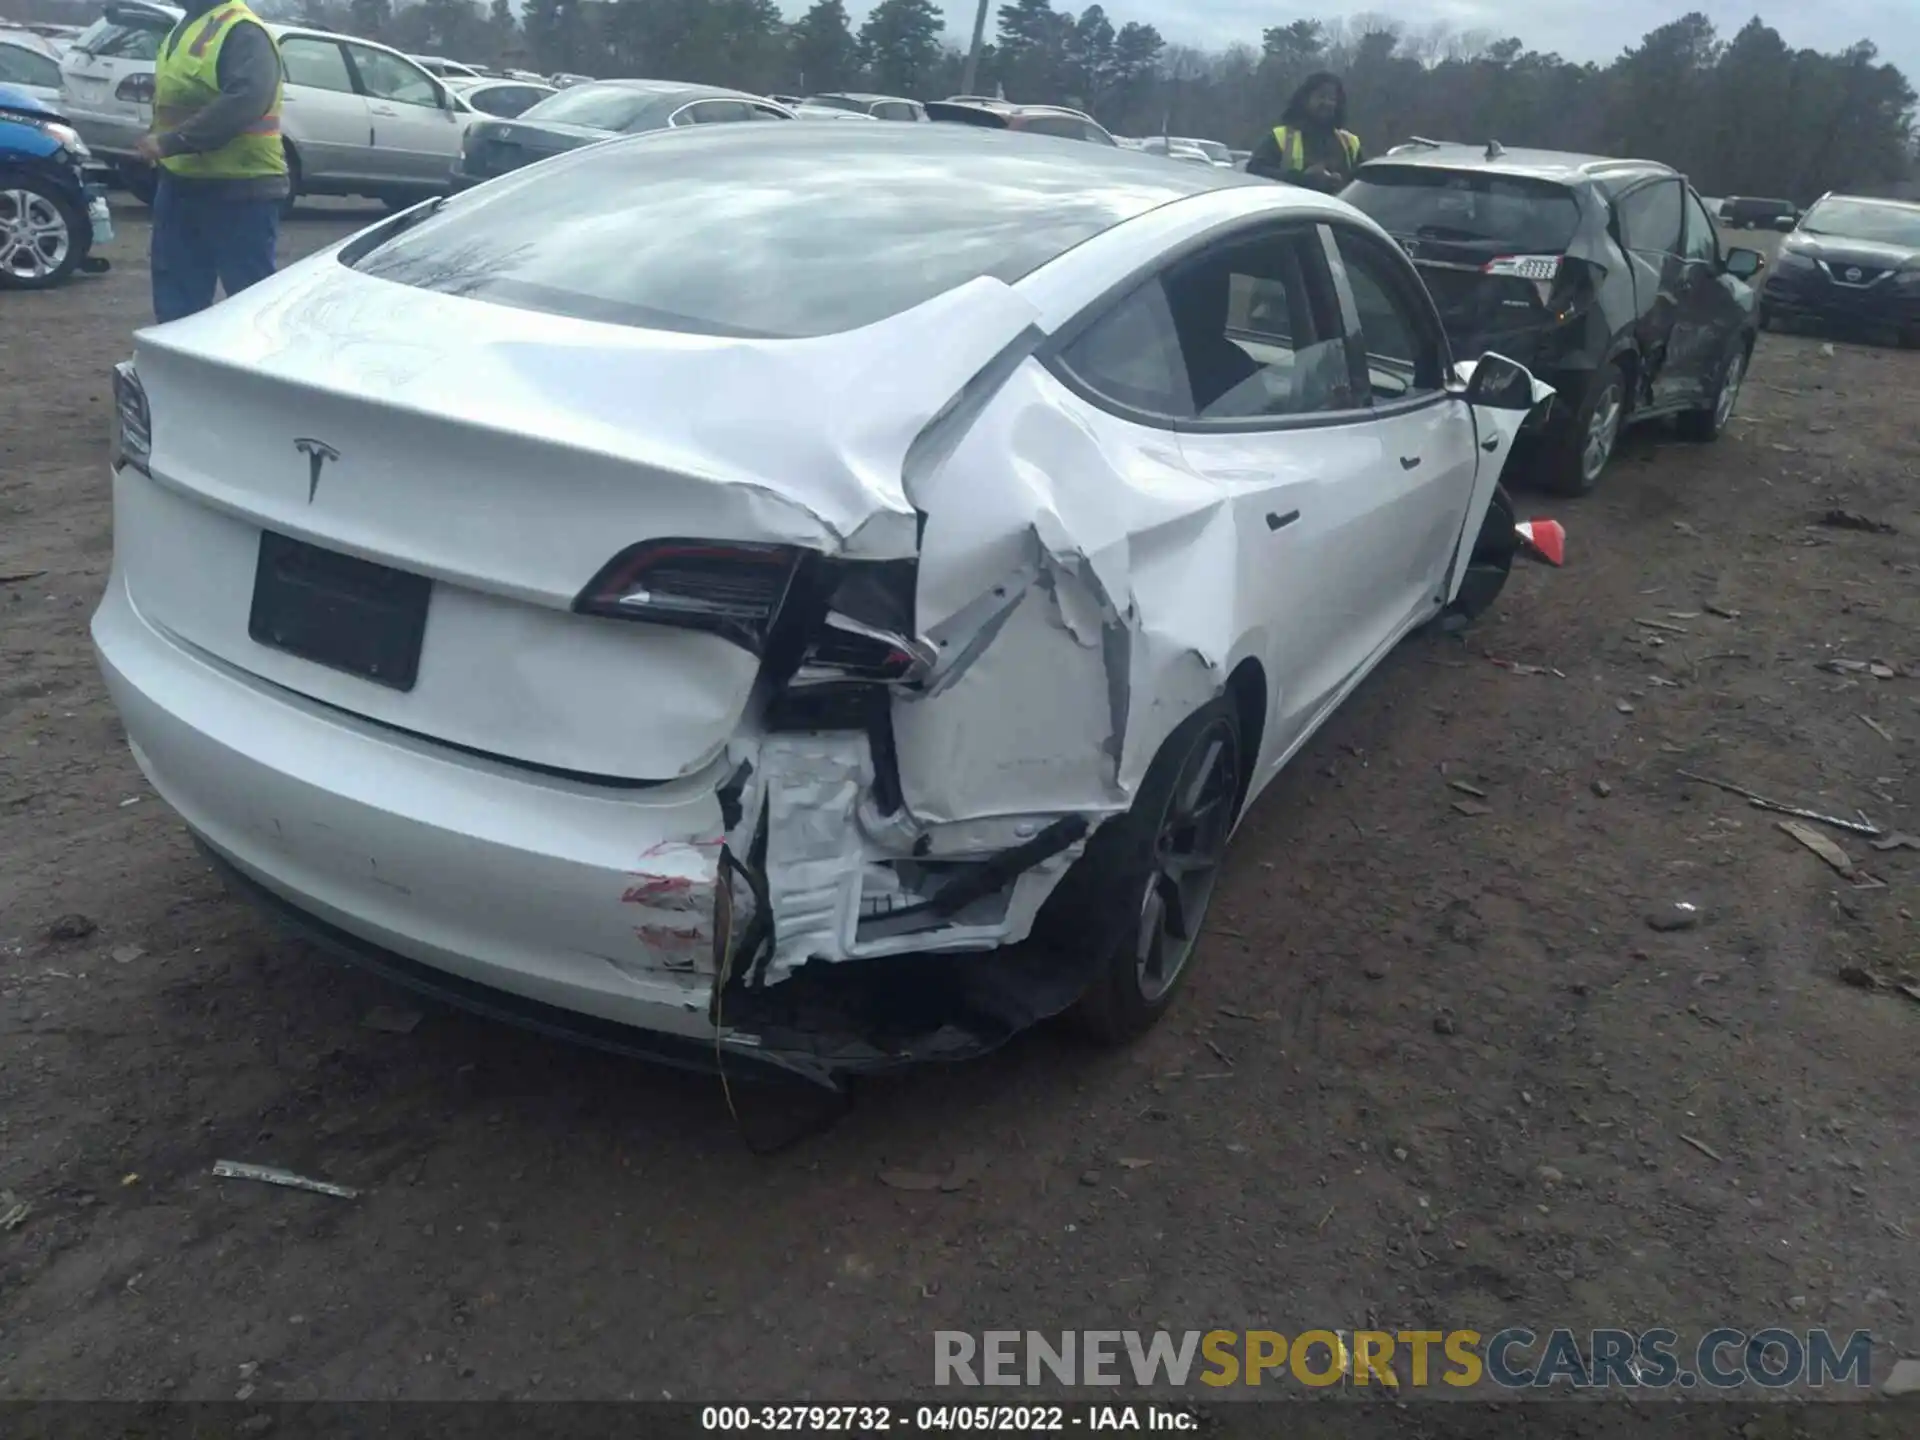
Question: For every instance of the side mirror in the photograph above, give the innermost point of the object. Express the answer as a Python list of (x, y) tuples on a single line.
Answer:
[(1743, 264), (1500, 384)]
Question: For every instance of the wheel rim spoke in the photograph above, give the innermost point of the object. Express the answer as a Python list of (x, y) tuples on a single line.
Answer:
[(1185, 863)]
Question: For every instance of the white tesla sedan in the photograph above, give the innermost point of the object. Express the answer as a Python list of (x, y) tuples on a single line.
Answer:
[(713, 593)]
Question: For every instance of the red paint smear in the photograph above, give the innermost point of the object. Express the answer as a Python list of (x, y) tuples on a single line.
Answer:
[(668, 936), (655, 886)]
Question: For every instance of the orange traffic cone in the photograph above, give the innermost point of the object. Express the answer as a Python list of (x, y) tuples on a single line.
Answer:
[(1544, 538)]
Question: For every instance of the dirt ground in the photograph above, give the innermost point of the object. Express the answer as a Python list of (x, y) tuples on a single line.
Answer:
[(1436, 1068)]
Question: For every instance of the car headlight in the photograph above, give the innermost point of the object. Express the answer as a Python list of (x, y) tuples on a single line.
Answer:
[(1793, 260), (1908, 279), (67, 136)]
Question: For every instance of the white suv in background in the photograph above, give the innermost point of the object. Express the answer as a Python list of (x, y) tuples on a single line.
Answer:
[(358, 118)]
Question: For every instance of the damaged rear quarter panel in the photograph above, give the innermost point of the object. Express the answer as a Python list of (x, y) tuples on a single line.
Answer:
[(1080, 585)]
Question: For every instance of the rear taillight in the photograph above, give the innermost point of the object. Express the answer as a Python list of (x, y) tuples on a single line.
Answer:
[(132, 424), (136, 88), (728, 588), (864, 633), (1541, 270)]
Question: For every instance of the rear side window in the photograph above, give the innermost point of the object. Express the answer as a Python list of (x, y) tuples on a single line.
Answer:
[(317, 64), (1244, 331), (1650, 217), (1516, 213), (111, 40), (21, 66), (1065, 126)]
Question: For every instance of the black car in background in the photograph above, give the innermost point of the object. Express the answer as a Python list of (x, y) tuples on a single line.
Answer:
[(598, 110), (1852, 263), (1746, 212), (1604, 277)]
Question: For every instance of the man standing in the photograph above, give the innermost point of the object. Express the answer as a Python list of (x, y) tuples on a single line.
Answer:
[(1308, 147), (216, 140)]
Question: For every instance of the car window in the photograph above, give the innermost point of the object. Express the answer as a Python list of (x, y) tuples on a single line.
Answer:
[(712, 235), (1404, 355), (893, 110), (1062, 125), (316, 63), (505, 101), (1650, 217), (1520, 214), (114, 40), (388, 77), (762, 112), (1700, 242), (714, 112), (592, 107), (1131, 355), (1253, 326), (21, 66)]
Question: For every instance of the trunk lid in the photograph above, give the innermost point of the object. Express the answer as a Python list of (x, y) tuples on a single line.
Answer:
[(507, 456)]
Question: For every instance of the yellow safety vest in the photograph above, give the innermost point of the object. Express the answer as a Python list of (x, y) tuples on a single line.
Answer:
[(1296, 157), (186, 78)]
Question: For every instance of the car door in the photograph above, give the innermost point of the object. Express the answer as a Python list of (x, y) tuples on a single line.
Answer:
[(1649, 216), (1424, 482), (322, 114), (1241, 352), (416, 134), (1709, 317)]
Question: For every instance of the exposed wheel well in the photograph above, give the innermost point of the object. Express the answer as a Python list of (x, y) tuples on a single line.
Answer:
[(1247, 689)]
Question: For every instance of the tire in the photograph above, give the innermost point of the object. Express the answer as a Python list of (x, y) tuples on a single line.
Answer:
[(1126, 899), (43, 237), (1488, 564), (1577, 456), (293, 181), (1709, 423)]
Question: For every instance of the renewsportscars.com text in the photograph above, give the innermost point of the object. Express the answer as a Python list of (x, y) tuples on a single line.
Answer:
[(1515, 1358)]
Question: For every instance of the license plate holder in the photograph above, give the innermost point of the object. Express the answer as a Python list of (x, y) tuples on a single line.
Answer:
[(340, 611)]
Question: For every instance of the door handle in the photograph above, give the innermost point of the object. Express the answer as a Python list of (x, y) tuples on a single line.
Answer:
[(1409, 462), (1490, 444), (379, 110), (1280, 522)]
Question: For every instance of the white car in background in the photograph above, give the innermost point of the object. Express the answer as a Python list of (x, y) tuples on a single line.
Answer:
[(714, 591), (358, 118), (30, 64), (502, 99)]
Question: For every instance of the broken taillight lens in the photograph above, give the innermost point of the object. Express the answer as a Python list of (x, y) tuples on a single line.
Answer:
[(865, 631), (729, 588)]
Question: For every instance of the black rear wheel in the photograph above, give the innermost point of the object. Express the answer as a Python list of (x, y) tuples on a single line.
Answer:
[(1576, 453), (1139, 894)]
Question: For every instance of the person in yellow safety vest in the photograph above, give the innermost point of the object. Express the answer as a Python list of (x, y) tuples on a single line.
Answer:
[(1309, 146), (222, 173)]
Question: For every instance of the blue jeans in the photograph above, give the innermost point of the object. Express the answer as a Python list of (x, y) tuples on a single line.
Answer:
[(200, 240)]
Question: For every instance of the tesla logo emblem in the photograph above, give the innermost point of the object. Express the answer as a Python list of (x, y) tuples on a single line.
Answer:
[(318, 452)]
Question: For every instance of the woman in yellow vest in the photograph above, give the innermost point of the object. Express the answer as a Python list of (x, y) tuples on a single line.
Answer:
[(216, 141), (1309, 146)]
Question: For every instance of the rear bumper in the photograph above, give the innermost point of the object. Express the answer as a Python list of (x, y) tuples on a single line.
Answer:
[(597, 902)]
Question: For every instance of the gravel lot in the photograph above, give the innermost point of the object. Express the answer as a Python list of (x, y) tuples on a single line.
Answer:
[(1436, 1068)]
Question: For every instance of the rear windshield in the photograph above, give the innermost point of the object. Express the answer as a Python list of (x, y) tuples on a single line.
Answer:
[(138, 40), (1863, 220), (593, 107), (720, 230), (1526, 216)]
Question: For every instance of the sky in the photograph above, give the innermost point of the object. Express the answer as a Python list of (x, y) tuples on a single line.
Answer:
[(1579, 29)]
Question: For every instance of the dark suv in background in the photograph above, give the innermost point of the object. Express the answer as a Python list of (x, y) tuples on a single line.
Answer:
[(1604, 277), (1745, 212), (1853, 263)]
